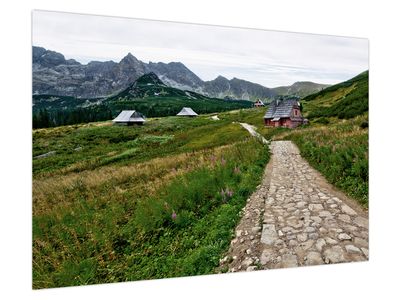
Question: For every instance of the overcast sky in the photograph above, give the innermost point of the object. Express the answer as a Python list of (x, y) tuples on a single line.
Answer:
[(270, 58)]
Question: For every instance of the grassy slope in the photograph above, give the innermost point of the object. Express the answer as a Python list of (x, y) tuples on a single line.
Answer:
[(301, 89), (113, 220), (344, 100)]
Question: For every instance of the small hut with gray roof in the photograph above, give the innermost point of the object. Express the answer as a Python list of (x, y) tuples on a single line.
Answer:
[(187, 112), (129, 117), (284, 113)]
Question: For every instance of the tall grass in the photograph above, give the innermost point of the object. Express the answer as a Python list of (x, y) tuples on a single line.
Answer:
[(181, 229), (340, 153)]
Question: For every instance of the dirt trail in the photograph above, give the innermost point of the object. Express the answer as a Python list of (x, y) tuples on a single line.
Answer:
[(252, 130), (296, 218)]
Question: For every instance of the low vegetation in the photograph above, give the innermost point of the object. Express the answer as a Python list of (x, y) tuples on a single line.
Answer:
[(142, 215), (345, 100)]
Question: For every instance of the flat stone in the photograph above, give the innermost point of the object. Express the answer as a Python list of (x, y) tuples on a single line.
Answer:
[(320, 244), (255, 229), (301, 204), (316, 219), (348, 210), (239, 233), (287, 229), (313, 235), (313, 258), (293, 243), (247, 262), (362, 222), (248, 251), (325, 214), (330, 241), (344, 218), (269, 235), (306, 245), (334, 255), (360, 242), (289, 261), (323, 230), (309, 229), (266, 256), (344, 236), (251, 268), (352, 249), (302, 237), (315, 207), (365, 251)]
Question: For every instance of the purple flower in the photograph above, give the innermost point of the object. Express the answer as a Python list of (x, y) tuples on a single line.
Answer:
[(173, 216), (229, 193), (223, 161), (222, 193), (236, 170)]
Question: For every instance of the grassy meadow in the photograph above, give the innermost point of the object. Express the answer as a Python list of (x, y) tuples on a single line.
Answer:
[(127, 203)]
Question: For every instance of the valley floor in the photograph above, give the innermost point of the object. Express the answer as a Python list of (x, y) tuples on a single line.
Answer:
[(114, 204)]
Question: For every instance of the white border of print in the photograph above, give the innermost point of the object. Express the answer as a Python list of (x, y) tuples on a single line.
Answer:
[(372, 279)]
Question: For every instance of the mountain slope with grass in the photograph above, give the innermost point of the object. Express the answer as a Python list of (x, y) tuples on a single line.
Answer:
[(300, 89), (344, 100)]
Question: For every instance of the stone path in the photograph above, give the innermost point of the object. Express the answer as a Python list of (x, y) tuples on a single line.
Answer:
[(296, 218)]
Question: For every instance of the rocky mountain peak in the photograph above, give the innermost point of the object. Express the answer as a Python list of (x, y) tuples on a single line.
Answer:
[(129, 59)]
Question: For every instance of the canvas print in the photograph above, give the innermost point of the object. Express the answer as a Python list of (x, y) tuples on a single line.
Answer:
[(164, 149)]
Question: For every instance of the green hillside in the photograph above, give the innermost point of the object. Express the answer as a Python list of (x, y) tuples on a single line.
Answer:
[(300, 89), (344, 100)]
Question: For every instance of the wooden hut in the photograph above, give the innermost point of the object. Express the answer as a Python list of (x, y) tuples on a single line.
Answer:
[(129, 117), (259, 103), (187, 112), (284, 113)]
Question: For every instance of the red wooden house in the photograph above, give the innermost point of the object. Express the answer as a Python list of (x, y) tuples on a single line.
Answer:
[(284, 113)]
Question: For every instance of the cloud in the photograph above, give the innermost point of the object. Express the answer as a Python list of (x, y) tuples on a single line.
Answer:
[(270, 58)]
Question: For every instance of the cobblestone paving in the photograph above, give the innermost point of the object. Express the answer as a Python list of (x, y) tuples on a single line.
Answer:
[(296, 218)]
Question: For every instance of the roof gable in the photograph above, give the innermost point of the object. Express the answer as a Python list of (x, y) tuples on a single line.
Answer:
[(129, 116), (187, 111)]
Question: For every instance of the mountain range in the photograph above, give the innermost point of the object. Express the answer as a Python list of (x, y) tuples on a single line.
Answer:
[(52, 74), (148, 95)]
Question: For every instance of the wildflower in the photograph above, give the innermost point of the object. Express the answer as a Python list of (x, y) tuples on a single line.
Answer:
[(223, 161), (229, 193), (213, 159), (236, 170), (173, 216)]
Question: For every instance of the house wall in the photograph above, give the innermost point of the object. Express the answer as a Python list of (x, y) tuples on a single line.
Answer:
[(284, 122)]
